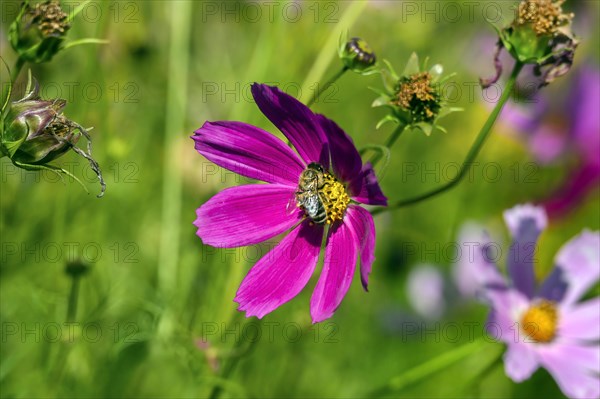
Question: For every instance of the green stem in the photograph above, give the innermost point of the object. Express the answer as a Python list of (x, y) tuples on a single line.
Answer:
[(426, 369), (73, 298), (473, 152), (352, 12), (175, 129), (388, 143), (322, 88), (14, 74), (229, 366), (477, 379)]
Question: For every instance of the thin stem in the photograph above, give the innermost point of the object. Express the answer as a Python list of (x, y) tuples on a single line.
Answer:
[(477, 379), (175, 129), (232, 363), (14, 74), (473, 152), (426, 369), (73, 298), (388, 143), (322, 88), (352, 12)]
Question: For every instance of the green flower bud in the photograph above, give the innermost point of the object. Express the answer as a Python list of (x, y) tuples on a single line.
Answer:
[(541, 35), (415, 98), (76, 268), (35, 132), (357, 56), (38, 33)]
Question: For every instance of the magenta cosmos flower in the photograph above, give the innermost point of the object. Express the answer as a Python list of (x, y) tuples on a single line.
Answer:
[(313, 193), (547, 325)]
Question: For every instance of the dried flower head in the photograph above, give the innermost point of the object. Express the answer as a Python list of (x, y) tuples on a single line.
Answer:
[(541, 35), (49, 18), (545, 17)]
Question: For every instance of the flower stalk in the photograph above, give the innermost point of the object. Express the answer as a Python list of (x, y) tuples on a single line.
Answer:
[(473, 152), (388, 144), (426, 369), (324, 87)]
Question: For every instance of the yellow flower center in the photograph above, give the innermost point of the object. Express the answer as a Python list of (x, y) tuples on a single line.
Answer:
[(335, 198), (545, 16), (539, 322)]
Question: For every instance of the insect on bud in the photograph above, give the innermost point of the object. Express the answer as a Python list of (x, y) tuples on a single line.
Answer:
[(357, 56), (35, 132)]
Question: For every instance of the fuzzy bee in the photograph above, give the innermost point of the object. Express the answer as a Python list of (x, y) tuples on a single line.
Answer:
[(309, 195)]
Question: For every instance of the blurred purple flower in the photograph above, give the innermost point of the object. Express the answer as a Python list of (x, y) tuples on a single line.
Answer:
[(569, 127), (546, 326), (425, 289), (250, 214)]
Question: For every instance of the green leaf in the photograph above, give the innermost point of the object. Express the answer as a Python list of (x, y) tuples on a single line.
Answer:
[(412, 66)]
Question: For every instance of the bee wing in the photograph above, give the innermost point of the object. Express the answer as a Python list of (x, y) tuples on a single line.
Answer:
[(292, 205)]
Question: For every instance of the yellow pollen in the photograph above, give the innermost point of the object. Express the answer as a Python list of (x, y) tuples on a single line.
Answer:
[(545, 16), (335, 198), (539, 322), (418, 86)]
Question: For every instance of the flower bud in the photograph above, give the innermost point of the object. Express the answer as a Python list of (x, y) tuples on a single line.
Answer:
[(38, 32), (357, 56), (76, 268), (415, 98), (541, 35), (35, 132)]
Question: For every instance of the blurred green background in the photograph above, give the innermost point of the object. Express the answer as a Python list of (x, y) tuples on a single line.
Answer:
[(155, 315)]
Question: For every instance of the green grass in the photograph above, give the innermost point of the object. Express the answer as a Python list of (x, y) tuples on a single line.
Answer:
[(153, 289)]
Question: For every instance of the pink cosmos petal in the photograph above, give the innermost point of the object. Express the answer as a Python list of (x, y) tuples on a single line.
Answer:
[(365, 188), (525, 223), (345, 159), (520, 361), (508, 307), (476, 270), (246, 215), (575, 382), (295, 120), (338, 270), (582, 322), (584, 357), (579, 258), (362, 224), (248, 151), (282, 273)]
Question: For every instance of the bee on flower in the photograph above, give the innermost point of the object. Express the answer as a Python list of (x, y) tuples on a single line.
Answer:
[(328, 185)]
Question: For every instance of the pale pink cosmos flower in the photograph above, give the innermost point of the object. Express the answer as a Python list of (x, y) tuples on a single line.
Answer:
[(547, 325)]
